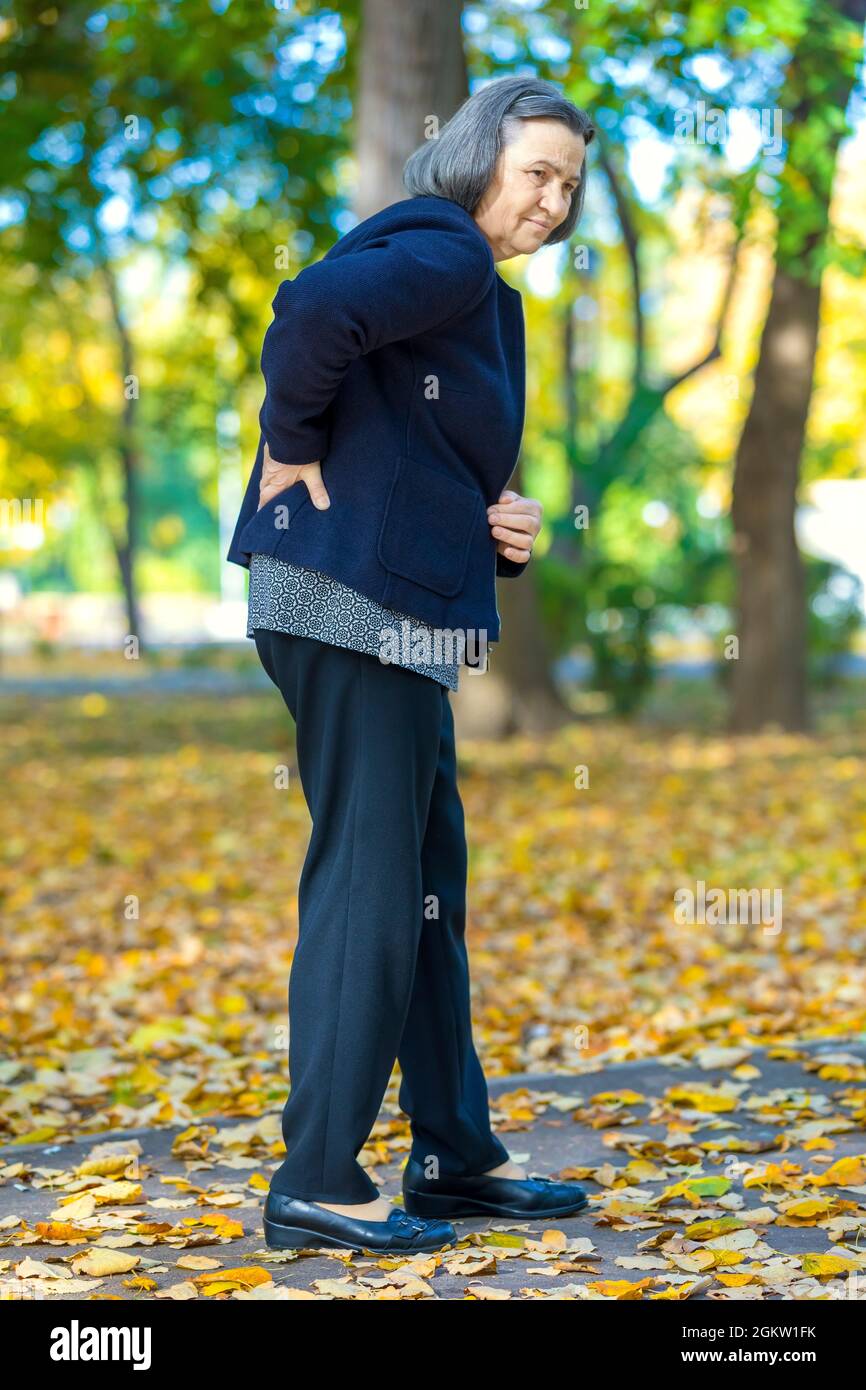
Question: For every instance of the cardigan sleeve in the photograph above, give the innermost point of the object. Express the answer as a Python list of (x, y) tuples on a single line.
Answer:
[(393, 286), (509, 569)]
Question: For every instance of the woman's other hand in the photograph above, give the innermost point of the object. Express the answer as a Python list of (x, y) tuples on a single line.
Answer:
[(514, 522), (276, 477)]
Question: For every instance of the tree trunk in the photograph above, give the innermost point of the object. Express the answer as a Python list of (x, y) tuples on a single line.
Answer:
[(412, 68), (125, 545), (527, 700), (769, 677), (769, 673), (567, 542)]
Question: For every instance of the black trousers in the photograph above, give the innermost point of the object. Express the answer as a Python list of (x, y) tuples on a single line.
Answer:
[(380, 970)]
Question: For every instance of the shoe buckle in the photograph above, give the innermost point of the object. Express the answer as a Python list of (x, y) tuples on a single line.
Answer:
[(414, 1222)]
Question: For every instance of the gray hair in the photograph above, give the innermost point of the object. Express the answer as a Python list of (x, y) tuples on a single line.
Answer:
[(461, 163)]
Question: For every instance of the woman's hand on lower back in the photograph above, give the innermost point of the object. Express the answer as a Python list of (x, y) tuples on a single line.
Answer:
[(276, 477)]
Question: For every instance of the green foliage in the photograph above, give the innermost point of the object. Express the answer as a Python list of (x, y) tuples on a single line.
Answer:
[(612, 611), (631, 582), (606, 607), (833, 617)]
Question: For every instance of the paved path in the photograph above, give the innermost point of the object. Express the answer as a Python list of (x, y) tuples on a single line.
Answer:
[(196, 682), (551, 1123)]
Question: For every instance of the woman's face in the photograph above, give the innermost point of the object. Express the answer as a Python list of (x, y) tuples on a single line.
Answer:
[(536, 178)]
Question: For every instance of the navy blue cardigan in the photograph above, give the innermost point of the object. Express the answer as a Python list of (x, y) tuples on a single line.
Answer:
[(398, 360)]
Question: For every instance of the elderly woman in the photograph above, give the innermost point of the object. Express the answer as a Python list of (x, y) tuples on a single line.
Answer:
[(374, 526)]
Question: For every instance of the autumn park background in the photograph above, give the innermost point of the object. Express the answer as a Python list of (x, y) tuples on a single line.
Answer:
[(679, 693)]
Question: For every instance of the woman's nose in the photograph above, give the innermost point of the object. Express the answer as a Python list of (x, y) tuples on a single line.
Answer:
[(554, 208)]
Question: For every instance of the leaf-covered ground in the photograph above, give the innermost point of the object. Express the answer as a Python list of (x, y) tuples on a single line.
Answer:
[(148, 881), (149, 894)]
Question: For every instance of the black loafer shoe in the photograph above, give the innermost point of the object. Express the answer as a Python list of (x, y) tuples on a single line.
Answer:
[(291, 1224), (489, 1196)]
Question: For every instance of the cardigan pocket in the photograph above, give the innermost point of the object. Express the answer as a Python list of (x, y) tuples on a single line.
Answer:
[(427, 527), (267, 527)]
